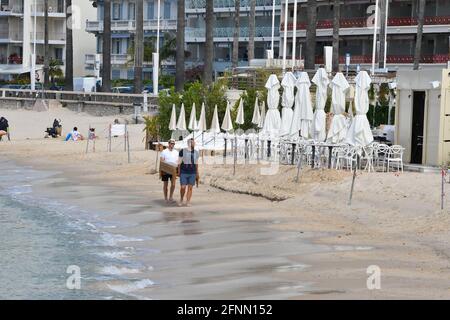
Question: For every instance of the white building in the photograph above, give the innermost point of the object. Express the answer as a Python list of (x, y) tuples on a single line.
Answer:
[(83, 42), (17, 19)]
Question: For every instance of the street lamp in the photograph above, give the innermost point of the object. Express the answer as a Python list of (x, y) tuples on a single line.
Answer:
[(33, 55), (156, 54)]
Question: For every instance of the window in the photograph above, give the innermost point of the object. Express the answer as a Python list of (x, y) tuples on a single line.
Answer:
[(116, 46), (131, 11), (167, 9), (130, 74), (115, 74), (116, 11), (150, 10), (59, 54)]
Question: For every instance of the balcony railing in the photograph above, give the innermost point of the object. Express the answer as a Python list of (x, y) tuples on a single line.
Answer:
[(129, 25), (201, 4), (11, 35), (12, 9), (121, 59), (52, 36), (52, 8), (362, 22), (227, 32), (396, 59)]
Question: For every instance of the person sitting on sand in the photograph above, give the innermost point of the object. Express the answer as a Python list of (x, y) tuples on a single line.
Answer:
[(3, 127), (74, 135), (169, 155), (188, 171)]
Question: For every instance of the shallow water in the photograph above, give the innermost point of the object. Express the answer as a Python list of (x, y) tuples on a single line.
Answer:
[(128, 247)]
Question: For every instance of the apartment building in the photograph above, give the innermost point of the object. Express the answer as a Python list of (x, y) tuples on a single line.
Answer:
[(17, 34), (123, 16), (224, 11), (356, 32)]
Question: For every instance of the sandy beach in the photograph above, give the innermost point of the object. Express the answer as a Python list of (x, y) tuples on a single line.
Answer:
[(235, 241)]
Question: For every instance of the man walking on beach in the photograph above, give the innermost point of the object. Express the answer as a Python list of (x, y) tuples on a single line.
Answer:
[(188, 170), (170, 156)]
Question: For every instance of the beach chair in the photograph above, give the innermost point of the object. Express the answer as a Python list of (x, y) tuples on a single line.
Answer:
[(380, 155), (367, 158)]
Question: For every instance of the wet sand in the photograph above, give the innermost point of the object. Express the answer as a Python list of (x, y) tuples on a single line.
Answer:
[(227, 245)]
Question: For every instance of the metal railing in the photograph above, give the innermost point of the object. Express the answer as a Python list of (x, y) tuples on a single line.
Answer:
[(130, 25), (117, 99), (52, 36), (201, 4), (11, 9), (227, 32)]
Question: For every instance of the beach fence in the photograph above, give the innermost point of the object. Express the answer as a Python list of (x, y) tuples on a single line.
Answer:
[(117, 137)]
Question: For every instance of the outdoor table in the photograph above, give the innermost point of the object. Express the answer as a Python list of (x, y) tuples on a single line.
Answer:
[(330, 147)]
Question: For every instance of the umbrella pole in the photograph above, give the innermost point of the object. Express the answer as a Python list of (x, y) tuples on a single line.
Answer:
[(299, 164), (235, 154), (353, 181)]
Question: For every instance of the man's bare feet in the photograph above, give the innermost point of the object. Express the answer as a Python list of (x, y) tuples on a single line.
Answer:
[(181, 204), (188, 204)]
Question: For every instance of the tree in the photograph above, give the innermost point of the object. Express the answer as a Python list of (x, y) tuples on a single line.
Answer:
[(420, 21), (54, 70), (180, 67), (235, 56), (209, 45), (106, 42), (336, 26), (68, 82), (311, 16), (252, 30), (46, 55), (139, 46), (383, 17)]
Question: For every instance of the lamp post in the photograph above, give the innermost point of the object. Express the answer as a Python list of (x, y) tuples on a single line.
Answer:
[(285, 35), (156, 54), (33, 55), (273, 30), (374, 47), (294, 35)]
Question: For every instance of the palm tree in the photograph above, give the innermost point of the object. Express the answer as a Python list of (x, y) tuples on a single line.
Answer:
[(235, 56), (139, 46), (106, 42), (311, 14), (420, 20), (209, 45), (251, 28), (383, 5), (68, 81), (336, 26), (179, 76), (46, 57)]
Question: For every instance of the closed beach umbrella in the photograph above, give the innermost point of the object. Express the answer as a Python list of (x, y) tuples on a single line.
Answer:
[(202, 121), (287, 101), (173, 119), (215, 126), (227, 124), (256, 114), (303, 112), (359, 133), (181, 124), (272, 122), (319, 122), (338, 127), (263, 115), (193, 119), (240, 113)]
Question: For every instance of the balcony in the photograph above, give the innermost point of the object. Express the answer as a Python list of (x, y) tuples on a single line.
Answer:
[(362, 22), (130, 25), (394, 59), (116, 59), (55, 37), (228, 5), (11, 35), (13, 10), (227, 32)]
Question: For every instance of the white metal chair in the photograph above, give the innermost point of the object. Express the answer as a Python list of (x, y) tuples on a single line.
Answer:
[(395, 155), (380, 155), (367, 157)]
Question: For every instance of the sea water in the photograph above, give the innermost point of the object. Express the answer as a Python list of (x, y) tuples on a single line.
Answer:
[(43, 241)]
